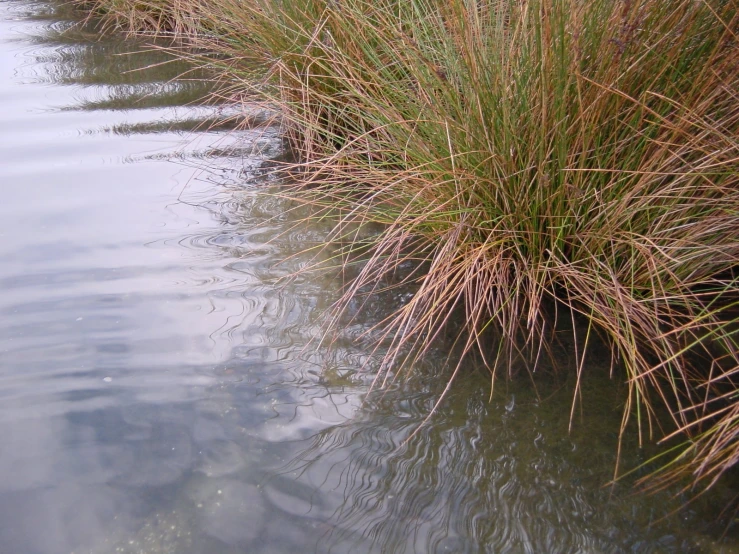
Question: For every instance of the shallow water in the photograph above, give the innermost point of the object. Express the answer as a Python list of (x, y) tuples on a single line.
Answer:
[(161, 387)]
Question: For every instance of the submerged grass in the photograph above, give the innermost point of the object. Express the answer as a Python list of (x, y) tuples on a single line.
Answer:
[(517, 154)]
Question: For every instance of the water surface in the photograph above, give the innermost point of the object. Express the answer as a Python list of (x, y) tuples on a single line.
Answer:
[(161, 385)]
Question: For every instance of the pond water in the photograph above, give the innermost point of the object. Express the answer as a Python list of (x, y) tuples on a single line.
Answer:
[(162, 387)]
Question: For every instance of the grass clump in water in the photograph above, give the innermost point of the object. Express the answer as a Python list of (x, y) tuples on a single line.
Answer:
[(523, 152)]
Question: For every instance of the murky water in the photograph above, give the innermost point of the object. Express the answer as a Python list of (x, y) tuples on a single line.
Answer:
[(161, 390)]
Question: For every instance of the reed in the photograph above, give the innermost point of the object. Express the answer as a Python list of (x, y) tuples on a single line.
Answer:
[(517, 154)]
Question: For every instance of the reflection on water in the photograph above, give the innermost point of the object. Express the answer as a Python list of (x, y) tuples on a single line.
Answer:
[(161, 390)]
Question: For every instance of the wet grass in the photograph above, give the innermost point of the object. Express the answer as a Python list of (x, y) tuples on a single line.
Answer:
[(518, 154)]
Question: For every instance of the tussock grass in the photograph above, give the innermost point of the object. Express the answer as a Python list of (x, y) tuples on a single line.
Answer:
[(584, 153), (157, 17)]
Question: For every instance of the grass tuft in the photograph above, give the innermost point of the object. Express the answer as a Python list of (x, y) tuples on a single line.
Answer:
[(518, 154)]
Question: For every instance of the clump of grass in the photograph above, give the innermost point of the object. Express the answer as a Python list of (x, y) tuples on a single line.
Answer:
[(519, 153), (155, 17)]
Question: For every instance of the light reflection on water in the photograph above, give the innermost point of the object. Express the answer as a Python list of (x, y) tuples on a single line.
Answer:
[(160, 387)]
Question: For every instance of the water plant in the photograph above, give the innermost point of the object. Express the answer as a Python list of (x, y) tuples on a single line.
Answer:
[(518, 154)]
